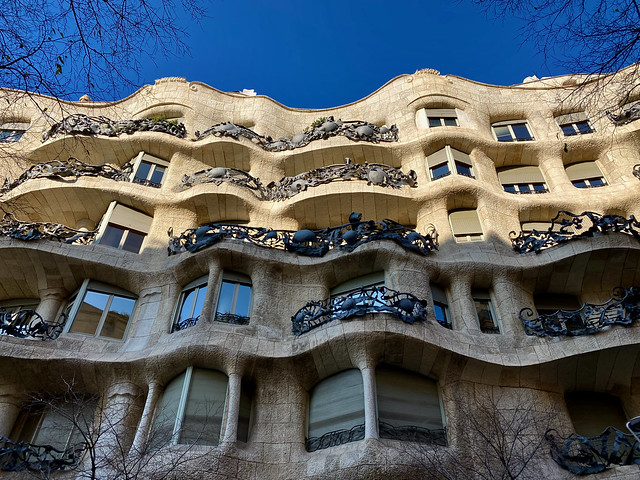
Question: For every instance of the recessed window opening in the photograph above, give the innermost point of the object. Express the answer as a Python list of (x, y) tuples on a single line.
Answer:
[(512, 131), (442, 117), (592, 412), (234, 299), (522, 180), (124, 228), (586, 175), (486, 315), (15, 305), (12, 132), (354, 285), (190, 304), (550, 303), (466, 226), (441, 306), (448, 160), (148, 170), (574, 124)]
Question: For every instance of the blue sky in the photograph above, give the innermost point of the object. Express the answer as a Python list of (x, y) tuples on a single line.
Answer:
[(326, 53)]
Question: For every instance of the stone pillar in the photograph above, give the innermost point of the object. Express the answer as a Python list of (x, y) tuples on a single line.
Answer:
[(370, 403), (119, 414), (213, 286), (51, 300), (506, 297), (230, 427), (462, 304), (10, 404), (155, 389)]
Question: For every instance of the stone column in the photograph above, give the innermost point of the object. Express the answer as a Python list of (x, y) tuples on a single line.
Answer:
[(230, 427), (213, 286), (51, 300), (462, 304), (155, 389), (10, 404), (370, 403), (119, 419)]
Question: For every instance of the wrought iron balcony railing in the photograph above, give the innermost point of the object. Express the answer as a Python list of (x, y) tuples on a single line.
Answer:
[(29, 231), (566, 226), (585, 455), (335, 438), (79, 124), (27, 323), (373, 173), (622, 309), (404, 306), (411, 433), (636, 171), (231, 318), (40, 459), (310, 243)]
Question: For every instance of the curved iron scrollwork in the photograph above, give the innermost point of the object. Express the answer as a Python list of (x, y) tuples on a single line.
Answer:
[(79, 124), (21, 456), (231, 318), (622, 309), (373, 173), (184, 324), (636, 171), (335, 438), (355, 130), (566, 226), (27, 323), (584, 455), (310, 243), (627, 115), (376, 299), (29, 231), (411, 433)]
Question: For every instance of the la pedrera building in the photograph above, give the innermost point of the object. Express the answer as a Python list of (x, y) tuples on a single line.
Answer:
[(441, 280)]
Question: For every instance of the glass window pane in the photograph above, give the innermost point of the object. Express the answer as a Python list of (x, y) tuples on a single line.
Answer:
[(539, 187), (244, 415), (225, 302), (243, 301), (584, 127), (450, 122), (434, 122), (463, 169), (202, 292), (117, 318), (580, 184), (166, 412), (143, 171), (439, 171), (596, 182), (89, 313), (133, 242), (188, 298), (524, 188), (509, 188), (521, 131), (485, 317), (503, 134), (204, 410), (112, 236), (440, 312), (568, 130), (55, 429), (156, 176)]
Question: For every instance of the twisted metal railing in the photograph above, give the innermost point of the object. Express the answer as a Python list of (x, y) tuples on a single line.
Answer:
[(184, 324), (29, 231), (79, 124), (636, 171), (231, 318), (376, 299), (566, 226), (585, 455), (335, 438), (622, 309), (311, 243), (27, 323), (21, 456), (373, 173), (411, 433), (355, 130)]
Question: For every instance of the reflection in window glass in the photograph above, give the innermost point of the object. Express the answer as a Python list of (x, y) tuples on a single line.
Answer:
[(103, 315), (234, 302), (439, 171)]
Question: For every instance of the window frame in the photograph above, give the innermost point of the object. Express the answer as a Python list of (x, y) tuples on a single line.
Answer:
[(198, 284), (238, 279), (522, 180), (510, 124), (466, 237), (441, 300), (483, 295), (452, 161), (570, 124), (595, 174), (118, 209), (14, 130), (155, 162)]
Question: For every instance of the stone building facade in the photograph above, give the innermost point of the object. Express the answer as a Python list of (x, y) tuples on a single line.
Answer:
[(386, 289)]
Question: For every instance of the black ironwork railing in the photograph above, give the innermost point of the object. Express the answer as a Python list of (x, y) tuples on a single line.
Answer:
[(184, 324), (585, 455), (411, 433), (311, 243), (404, 306), (373, 173), (335, 438), (356, 130), (622, 309), (636, 171), (27, 323), (43, 459), (29, 231), (231, 318), (79, 124), (566, 226)]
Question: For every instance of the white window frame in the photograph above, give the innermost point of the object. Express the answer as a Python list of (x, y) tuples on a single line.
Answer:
[(597, 175), (509, 124), (237, 279), (15, 131), (198, 284), (115, 209), (520, 177), (453, 157), (154, 161), (467, 237), (481, 295), (441, 114)]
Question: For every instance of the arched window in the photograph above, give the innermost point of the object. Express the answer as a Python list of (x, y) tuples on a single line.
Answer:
[(466, 226), (190, 304), (585, 175), (522, 179), (234, 299)]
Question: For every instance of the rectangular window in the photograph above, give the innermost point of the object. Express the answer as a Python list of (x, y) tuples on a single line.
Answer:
[(487, 318), (522, 179), (441, 306), (574, 124), (585, 175), (512, 131), (12, 132), (124, 228), (448, 160), (351, 287), (148, 170), (441, 117), (234, 299), (466, 226)]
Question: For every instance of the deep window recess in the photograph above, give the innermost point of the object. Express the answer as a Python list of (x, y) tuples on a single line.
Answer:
[(336, 411), (549, 303), (527, 179), (148, 170), (124, 228), (585, 175), (441, 305), (574, 124), (234, 299), (349, 287), (442, 117), (191, 409), (512, 131), (408, 407), (466, 226), (485, 313), (100, 310), (190, 304), (12, 132), (447, 160), (592, 412)]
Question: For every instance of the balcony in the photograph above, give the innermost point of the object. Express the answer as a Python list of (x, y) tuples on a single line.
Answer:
[(30, 231), (39, 459), (27, 323)]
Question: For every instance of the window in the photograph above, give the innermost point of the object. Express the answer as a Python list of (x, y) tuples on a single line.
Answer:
[(13, 306), (408, 407), (442, 117), (585, 175), (123, 228), (336, 411), (512, 131), (234, 299), (148, 170), (190, 304), (549, 303), (100, 310), (522, 180), (12, 132), (447, 160), (592, 412), (191, 409), (487, 318), (574, 124), (465, 225), (355, 284), (440, 306)]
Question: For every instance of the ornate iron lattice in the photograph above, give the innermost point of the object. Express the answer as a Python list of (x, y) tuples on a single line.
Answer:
[(636, 171), (622, 309), (231, 318), (627, 115), (584, 455), (29, 231), (566, 226), (355, 130), (184, 324), (404, 306), (335, 438), (21, 456), (27, 323), (79, 124), (311, 243), (411, 433), (373, 173)]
